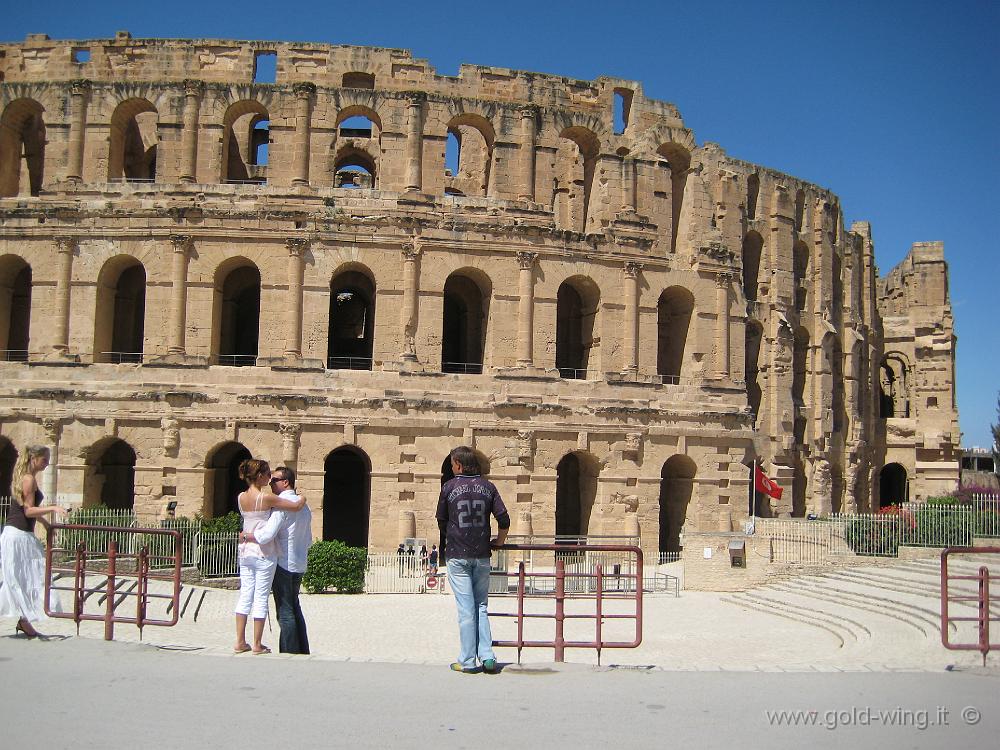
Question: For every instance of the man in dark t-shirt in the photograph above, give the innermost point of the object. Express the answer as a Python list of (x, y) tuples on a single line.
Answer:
[(463, 515)]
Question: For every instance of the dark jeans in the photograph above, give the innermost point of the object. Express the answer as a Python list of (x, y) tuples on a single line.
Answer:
[(293, 638)]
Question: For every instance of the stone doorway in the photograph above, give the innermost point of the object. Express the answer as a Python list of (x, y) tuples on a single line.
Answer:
[(346, 496)]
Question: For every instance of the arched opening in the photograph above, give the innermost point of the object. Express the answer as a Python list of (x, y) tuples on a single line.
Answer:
[(800, 267), (354, 169), (577, 303), (836, 353), (8, 457), (676, 487), (753, 243), (576, 160), (22, 148), (892, 485), (468, 156), (447, 473), (346, 496), (800, 358), (800, 209), (352, 321), (754, 335), (222, 479), (356, 148), (676, 161), (245, 142), (237, 312), (463, 332), (576, 490), (133, 142), (110, 477), (121, 311), (15, 308), (894, 396), (753, 192), (674, 311)]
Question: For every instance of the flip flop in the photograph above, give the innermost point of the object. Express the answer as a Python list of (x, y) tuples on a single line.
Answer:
[(264, 650), (242, 650)]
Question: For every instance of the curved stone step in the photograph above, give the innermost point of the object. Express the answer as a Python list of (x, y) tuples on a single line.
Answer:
[(857, 630), (739, 600)]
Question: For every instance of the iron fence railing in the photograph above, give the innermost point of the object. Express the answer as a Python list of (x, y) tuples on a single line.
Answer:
[(570, 373), (462, 368), (119, 358), (237, 360), (217, 554), (348, 363), (14, 355)]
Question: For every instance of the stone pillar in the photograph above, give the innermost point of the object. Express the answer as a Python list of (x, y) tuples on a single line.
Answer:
[(290, 444), (189, 136), (411, 255), (293, 337), (629, 174), (77, 125), (722, 281), (304, 93), (631, 333), (178, 293), (415, 140), (527, 188), (64, 281), (50, 479), (526, 308)]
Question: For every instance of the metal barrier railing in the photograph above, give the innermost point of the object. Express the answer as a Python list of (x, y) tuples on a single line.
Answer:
[(979, 597), (348, 363), (112, 566), (598, 592)]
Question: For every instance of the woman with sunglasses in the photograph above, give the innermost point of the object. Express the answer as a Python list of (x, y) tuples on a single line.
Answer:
[(257, 561)]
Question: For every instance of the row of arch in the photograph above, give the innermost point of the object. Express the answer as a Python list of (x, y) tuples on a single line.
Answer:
[(119, 323)]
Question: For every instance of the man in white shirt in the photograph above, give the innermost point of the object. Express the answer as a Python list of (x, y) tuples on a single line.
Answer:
[(293, 535)]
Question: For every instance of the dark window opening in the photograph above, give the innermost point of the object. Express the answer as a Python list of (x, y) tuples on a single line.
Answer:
[(22, 145), (224, 478), (8, 457), (837, 372), (357, 80), (568, 501), (463, 334), (346, 497), (754, 335), (894, 397), (800, 267), (113, 477), (673, 321), (676, 486), (129, 316), (800, 208), (240, 317), (15, 345), (575, 318), (799, 489), (352, 322), (265, 67), (752, 247), (623, 106), (753, 193), (892, 485)]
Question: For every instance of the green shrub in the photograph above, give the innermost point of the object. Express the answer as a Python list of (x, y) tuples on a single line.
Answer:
[(335, 565), (934, 528), (230, 523), (867, 536)]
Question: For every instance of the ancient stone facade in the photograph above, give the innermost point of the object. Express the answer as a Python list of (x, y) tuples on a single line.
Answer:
[(358, 265)]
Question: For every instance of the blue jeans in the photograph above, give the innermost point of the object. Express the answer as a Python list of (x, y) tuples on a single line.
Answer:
[(470, 583), (293, 638)]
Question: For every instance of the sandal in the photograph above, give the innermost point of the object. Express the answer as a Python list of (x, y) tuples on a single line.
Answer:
[(242, 649), (263, 650)]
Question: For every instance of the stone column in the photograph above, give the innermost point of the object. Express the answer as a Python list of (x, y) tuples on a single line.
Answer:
[(629, 168), (415, 140), (304, 93), (526, 309), (631, 333), (189, 136), (178, 293), (293, 337), (722, 281), (290, 444), (64, 280), (77, 125), (50, 479), (527, 188), (411, 255)]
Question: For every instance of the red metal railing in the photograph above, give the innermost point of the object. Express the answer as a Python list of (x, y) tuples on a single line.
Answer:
[(560, 595), (981, 598), (104, 564)]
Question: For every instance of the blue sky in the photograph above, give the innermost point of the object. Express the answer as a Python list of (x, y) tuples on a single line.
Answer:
[(895, 106)]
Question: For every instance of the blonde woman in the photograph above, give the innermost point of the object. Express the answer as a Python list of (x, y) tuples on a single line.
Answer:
[(257, 561), (21, 554)]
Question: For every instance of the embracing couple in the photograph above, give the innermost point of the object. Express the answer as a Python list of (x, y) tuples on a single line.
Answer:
[(274, 543)]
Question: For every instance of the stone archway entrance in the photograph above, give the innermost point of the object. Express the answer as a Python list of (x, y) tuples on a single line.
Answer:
[(111, 475), (8, 457), (676, 485), (346, 496), (223, 481), (892, 485)]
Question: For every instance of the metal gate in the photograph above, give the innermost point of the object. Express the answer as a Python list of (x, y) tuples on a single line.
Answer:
[(957, 593)]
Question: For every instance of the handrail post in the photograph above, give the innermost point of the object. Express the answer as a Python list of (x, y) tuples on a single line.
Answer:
[(109, 605), (984, 611), (560, 641), (520, 609)]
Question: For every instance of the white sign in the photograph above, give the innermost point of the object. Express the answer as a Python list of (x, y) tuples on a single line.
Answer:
[(708, 553)]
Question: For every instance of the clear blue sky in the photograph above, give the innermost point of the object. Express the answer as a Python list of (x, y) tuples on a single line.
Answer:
[(893, 105)]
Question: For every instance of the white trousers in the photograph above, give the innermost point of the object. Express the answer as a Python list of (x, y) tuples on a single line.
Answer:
[(256, 575)]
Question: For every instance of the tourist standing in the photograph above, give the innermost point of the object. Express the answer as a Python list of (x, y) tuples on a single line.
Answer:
[(463, 514)]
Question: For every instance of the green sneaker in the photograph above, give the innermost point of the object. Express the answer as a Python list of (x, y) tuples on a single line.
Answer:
[(457, 667), (490, 666)]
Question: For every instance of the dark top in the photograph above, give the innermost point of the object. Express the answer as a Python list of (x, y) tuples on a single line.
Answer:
[(463, 513), (16, 517)]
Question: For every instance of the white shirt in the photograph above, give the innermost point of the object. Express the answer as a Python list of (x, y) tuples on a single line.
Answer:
[(293, 532)]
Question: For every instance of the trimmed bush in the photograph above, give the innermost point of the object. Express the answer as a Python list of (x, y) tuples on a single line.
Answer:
[(230, 523), (867, 536), (335, 565)]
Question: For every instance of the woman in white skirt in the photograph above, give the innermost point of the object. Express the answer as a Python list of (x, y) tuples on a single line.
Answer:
[(22, 556)]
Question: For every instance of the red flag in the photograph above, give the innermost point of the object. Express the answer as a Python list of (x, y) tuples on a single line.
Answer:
[(766, 485)]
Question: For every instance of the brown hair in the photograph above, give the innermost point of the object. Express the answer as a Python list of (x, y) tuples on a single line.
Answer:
[(23, 468), (253, 468)]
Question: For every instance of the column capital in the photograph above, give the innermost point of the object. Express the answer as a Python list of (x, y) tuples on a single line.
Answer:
[(723, 280), (193, 87), (304, 89), (51, 426), (181, 242), (66, 244), (289, 431), (297, 245), (528, 112), (415, 98), (526, 260), (79, 86), (632, 269), (411, 251)]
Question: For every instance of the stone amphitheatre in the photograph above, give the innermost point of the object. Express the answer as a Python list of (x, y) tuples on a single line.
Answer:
[(357, 264)]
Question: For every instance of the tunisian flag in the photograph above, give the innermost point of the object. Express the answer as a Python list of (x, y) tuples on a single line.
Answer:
[(764, 484)]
